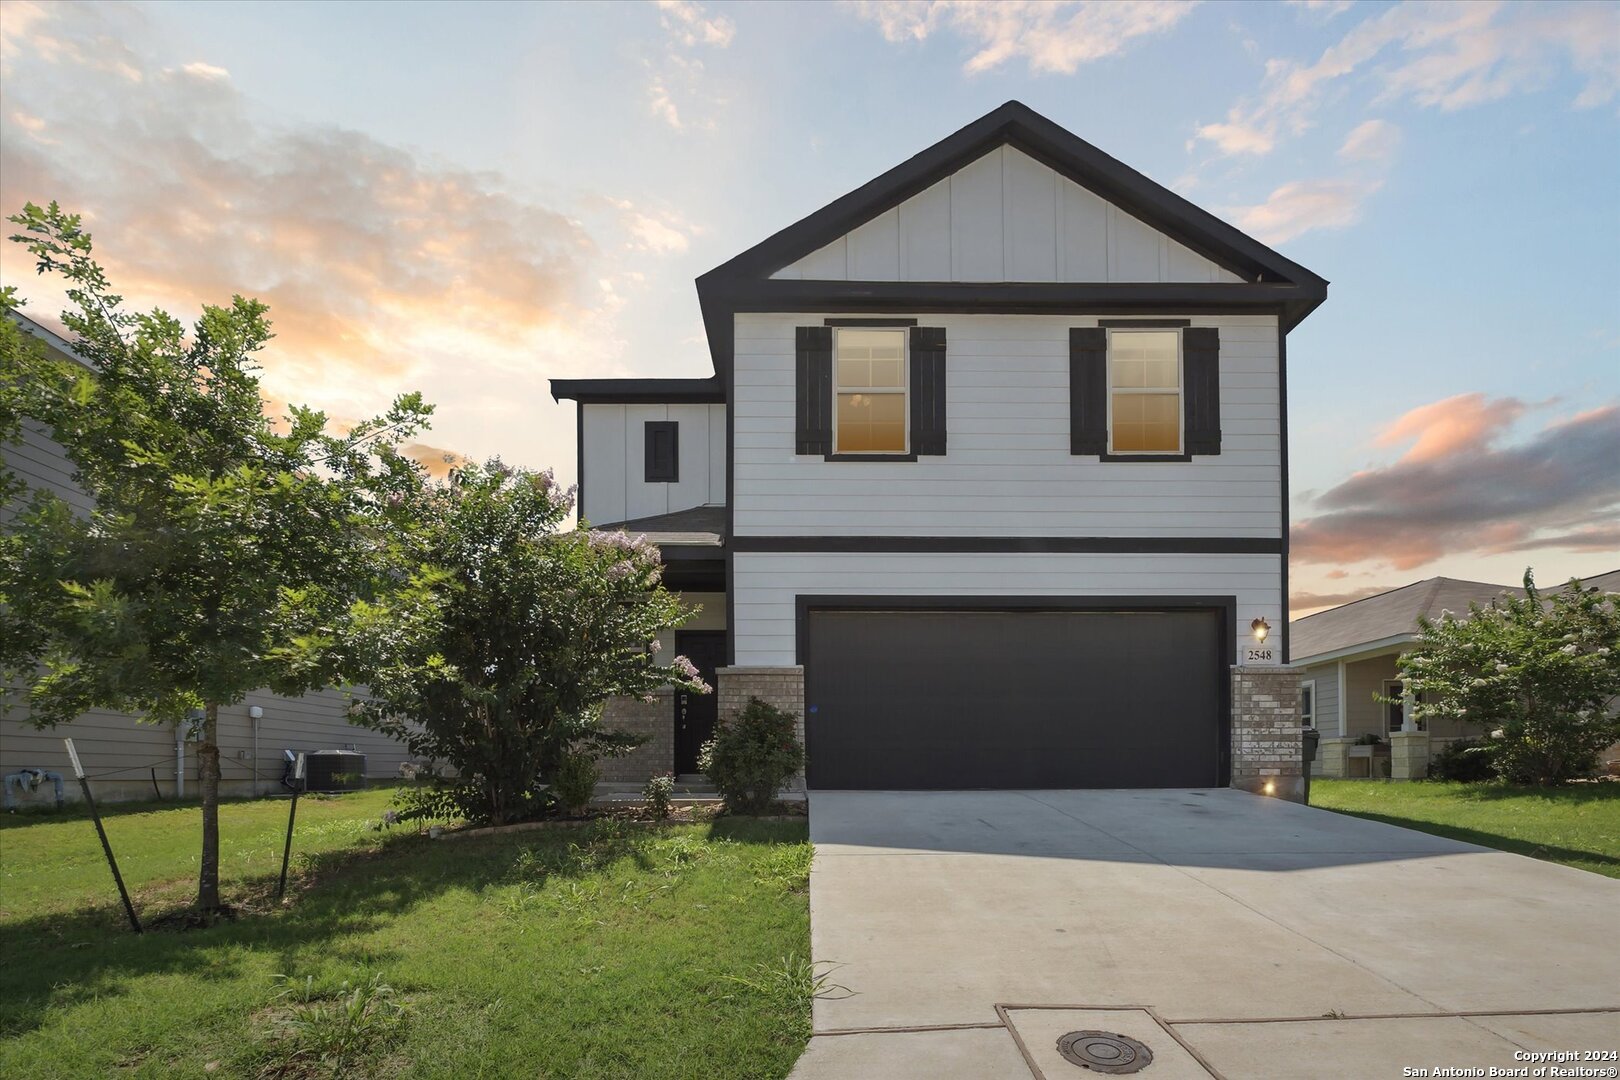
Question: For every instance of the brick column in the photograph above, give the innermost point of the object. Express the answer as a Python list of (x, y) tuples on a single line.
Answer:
[(1266, 746), (1408, 755), (654, 719), (779, 686), (1333, 757)]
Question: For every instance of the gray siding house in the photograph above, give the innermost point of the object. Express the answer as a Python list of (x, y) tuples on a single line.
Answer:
[(134, 760), (989, 482)]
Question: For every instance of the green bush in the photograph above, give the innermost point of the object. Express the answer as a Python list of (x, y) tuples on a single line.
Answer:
[(1468, 761), (574, 781), (752, 756), (658, 793)]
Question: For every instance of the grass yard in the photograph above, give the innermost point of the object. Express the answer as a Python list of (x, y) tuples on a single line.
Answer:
[(1577, 825), (612, 950)]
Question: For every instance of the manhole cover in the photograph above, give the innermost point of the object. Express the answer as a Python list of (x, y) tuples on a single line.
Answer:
[(1104, 1052)]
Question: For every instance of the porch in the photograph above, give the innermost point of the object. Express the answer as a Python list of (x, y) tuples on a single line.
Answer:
[(1367, 721)]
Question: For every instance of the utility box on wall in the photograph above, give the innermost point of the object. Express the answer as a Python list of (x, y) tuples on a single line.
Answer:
[(335, 770)]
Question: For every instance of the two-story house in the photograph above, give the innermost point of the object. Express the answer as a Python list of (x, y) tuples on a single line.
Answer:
[(990, 482)]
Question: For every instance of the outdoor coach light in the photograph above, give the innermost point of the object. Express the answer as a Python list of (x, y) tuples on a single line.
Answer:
[(1261, 628)]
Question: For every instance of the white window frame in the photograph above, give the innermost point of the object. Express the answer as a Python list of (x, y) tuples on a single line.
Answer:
[(904, 391), (1308, 719), (1181, 392)]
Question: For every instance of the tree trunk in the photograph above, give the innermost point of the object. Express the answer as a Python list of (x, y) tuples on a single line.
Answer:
[(208, 905)]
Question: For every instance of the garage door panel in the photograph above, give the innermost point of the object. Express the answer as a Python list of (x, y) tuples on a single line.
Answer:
[(987, 699)]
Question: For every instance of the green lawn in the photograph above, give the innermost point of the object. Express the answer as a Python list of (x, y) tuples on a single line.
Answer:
[(1577, 825), (613, 950)]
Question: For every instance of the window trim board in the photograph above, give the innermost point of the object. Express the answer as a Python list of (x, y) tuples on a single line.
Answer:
[(1178, 454)]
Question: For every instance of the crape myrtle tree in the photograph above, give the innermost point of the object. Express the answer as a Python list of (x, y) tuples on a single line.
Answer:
[(223, 552), (498, 659), (1539, 674)]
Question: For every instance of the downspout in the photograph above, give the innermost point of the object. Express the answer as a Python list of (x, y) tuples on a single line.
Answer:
[(179, 761)]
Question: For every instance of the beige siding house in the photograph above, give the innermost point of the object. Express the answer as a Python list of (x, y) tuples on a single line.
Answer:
[(1346, 662), (129, 759)]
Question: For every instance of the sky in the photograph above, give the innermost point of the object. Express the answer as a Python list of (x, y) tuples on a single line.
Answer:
[(471, 199)]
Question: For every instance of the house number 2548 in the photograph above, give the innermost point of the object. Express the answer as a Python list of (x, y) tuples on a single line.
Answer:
[(1261, 655)]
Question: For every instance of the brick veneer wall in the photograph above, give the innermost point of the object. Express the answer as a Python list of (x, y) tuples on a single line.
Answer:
[(654, 719), (779, 686), (1266, 744)]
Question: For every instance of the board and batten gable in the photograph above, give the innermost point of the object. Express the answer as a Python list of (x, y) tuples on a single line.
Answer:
[(1006, 217), (1009, 470), (613, 484)]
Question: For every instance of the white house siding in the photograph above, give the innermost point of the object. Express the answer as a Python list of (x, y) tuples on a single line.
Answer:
[(122, 754), (767, 585), (615, 461), (1008, 471), (1006, 217)]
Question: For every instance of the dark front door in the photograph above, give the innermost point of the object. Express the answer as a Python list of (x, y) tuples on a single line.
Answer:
[(695, 713), (1014, 699)]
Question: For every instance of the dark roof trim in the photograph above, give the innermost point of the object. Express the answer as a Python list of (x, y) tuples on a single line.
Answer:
[(1008, 298), (639, 391), (1016, 124)]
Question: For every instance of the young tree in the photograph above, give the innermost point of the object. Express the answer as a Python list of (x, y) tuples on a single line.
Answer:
[(221, 553), (1538, 673), (498, 662)]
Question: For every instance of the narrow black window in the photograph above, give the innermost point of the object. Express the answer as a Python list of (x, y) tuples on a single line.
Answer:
[(663, 451)]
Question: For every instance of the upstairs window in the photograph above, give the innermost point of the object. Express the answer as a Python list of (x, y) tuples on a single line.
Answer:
[(663, 452), (1144, 392), (869, 374)]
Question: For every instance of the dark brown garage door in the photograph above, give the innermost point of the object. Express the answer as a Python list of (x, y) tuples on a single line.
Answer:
[(1014, 699)]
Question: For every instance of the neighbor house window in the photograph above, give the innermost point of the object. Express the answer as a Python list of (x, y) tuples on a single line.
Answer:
[(870, 376), (1144, 391), (1307, 704)]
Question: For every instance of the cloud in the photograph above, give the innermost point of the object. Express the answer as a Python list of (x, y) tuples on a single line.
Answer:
[(1051, 36), (687, 23), (384, 271), (1372, 140), (1296, 208), (436, 460), (1456, 425), (681, 75), (1461, 489), (1326, 8), (663, 233), (1448, 56), (1303, 603)]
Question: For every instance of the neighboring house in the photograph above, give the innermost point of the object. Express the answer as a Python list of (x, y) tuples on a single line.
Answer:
[(989, 484), (1350, 690), (133, 760)]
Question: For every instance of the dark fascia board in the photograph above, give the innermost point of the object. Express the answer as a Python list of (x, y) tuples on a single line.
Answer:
[(1007, 298), (639, 391), (1016, 124)]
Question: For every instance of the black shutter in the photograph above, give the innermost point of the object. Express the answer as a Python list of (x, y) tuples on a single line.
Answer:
[(928, 390), (663, 453), (1201, 367), (1088, 390), (813, 392)]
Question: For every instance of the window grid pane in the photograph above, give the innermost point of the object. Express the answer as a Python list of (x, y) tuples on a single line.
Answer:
[(1144, 372), (870, 372)]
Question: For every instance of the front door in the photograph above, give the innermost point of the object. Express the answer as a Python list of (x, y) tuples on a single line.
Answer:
[(695, 713)]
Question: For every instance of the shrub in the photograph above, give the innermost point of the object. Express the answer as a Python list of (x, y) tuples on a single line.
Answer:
[(432, 799), (751, 756), (1538, 672), (1468, 761), (658, 792), (573, 781)]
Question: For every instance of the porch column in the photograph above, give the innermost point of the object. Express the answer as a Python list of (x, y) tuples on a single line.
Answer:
[(779, 686), (1266, 749), (1408, 714), (1408, 755)]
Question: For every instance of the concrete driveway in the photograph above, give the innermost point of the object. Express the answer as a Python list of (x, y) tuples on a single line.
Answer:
[(1233, 935)]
